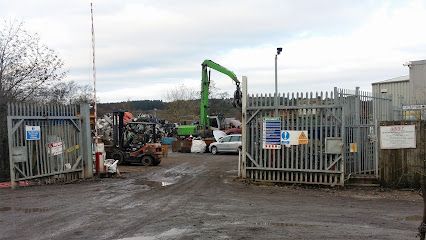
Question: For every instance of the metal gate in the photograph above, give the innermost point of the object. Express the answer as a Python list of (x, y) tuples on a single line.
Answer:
[(319, 114), (48, 141), (341, 127), (363, 112)]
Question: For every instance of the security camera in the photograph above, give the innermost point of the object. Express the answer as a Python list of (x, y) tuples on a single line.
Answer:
[(279, 50)]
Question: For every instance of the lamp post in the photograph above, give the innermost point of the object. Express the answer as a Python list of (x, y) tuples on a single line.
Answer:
[(279, 50)]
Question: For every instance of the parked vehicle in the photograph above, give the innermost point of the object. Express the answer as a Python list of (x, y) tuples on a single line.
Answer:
[(230, 143)]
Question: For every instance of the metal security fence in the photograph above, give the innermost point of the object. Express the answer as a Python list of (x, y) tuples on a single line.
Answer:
[(341, 136), (362, 115), (48, 142)]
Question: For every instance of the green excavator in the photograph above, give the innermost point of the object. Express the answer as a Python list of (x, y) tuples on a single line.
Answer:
[(203, 127)]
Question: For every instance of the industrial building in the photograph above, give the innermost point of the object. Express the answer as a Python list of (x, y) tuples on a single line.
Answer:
[(407, 93)]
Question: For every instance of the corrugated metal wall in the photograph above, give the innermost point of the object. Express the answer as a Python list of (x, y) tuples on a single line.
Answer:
[(399, 92)]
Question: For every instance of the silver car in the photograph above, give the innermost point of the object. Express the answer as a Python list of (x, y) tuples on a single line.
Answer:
[(230, 143)]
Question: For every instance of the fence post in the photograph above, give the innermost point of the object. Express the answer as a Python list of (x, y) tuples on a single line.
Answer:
[(86, 141), (377, 147), (10, 142), (357, 132), (244, 127)]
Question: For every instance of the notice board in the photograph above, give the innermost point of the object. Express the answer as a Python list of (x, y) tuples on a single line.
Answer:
[(271, 133), (397, 136)]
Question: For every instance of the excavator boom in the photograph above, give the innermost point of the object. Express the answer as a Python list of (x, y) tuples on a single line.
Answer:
[(205, 85)]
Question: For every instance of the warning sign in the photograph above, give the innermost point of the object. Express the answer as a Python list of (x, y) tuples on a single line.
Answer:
[(291, 138), (55, 148), (303, 139)]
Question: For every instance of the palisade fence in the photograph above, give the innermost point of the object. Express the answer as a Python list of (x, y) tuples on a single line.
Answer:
[(342, 130), (49, 142)]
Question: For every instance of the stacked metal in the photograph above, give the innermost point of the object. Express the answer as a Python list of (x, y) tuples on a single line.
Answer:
[(136, 134)]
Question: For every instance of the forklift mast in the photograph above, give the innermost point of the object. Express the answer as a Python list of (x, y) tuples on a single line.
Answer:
[(118, 128)]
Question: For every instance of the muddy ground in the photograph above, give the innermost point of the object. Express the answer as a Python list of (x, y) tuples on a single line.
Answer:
[(196, 196)]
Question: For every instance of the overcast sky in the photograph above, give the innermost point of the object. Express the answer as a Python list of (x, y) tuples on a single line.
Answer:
[(144, 48)]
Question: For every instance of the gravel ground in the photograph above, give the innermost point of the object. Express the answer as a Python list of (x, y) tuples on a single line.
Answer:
[(197, 196)]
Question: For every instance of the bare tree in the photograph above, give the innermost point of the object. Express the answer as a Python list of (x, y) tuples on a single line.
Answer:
[(65, 93), (181, 92), (27, 68), (182, 104), (216, 93), (26, 65)]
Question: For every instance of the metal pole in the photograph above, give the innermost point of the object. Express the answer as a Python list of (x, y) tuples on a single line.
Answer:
[(11, 161), (244, 128), (86, 149), (94, 75), (357, 132), (276, 87)]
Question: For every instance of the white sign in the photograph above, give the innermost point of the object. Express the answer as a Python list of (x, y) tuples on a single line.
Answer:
[(289, 137), (32, 133), (397, 136), (55, 148), (413, 107)]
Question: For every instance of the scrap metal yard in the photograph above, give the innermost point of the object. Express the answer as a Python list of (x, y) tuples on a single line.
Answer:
[(197, 196), (233, 120)]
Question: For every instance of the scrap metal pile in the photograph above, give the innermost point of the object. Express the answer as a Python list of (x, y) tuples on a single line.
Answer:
[(135, 134)]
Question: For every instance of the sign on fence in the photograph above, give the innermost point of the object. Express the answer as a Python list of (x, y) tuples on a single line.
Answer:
[(32, 133), (290, 138), (55, 148), (271, 133), (397, 136)]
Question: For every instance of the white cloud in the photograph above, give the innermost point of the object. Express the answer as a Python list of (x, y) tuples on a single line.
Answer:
[(144, 47), (374, 51)]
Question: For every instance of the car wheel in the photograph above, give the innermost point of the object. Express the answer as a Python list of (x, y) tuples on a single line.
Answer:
[(214, 150), (157, 162), (147, 160)]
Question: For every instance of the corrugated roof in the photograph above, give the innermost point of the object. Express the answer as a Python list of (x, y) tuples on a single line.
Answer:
[(397, 79), (418, 62)]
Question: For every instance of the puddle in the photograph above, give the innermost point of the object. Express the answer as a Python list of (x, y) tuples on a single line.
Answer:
[(153, 184), (416, 218), (24, 210), (163, 184), (174, 233), (286, 224)]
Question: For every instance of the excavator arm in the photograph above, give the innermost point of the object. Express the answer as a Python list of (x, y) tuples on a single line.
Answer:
[(205, 85)]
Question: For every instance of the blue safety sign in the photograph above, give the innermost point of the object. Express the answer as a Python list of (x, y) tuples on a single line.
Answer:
[(32, 133), (285, 137)]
